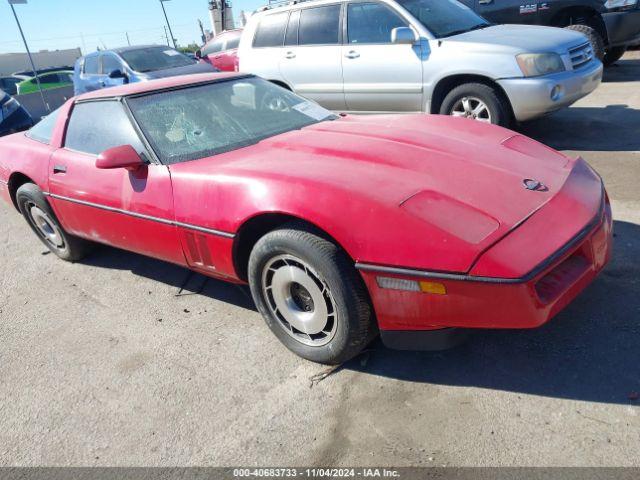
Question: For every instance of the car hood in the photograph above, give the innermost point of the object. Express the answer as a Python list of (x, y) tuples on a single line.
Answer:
[(187, 70), (522, 38)]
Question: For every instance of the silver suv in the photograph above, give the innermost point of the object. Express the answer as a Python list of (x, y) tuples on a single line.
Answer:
[(435, 56)]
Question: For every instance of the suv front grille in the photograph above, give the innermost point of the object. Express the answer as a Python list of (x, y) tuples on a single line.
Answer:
[(581, 55)]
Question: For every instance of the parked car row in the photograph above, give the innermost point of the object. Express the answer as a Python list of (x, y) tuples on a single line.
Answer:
[(24, 82)]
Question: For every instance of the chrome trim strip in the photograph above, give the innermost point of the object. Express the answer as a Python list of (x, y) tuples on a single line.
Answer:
[(541, 267), (164, 221)]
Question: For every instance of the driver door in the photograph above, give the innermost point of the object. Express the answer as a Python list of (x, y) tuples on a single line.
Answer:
[(132, 210), (509, 11)]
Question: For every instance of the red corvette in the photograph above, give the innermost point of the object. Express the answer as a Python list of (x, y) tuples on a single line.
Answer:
[(342, 226)]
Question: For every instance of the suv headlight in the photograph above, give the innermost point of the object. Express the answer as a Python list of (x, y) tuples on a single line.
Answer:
[(619, 4), (9, 107), (537, 64)]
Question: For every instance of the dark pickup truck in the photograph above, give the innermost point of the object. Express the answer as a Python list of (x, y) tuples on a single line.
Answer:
[(611, 25)]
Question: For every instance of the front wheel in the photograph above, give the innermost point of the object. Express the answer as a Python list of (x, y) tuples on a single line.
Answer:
[(613, 54), (40, 217), (477, 101), (310, 295)]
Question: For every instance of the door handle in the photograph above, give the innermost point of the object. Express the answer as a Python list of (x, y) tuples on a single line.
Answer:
[(289, 55), (352, 54), (59, 169)]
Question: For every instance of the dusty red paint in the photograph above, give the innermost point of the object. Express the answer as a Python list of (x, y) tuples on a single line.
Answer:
[(428, 193)]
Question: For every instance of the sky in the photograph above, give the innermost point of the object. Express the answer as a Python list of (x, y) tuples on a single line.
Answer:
[(88, 24)]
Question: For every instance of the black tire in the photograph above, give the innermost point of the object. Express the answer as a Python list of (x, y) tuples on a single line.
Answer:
[(330, 267), (597, 42), (498, 106), (66, 246), (613, 54)]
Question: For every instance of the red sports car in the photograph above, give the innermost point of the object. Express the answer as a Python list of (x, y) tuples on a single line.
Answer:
[(342, 226)]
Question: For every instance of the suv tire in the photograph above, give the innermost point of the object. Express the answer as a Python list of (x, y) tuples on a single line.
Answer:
[(40, 217), (464, 101), (297, 275), (597, 42), (613, 54)]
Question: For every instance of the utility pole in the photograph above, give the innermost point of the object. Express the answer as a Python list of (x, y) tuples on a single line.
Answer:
[(168, 24), (166, 35), (33, 66), (128, 41)]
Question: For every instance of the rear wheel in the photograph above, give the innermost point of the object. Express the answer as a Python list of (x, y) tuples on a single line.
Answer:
[(613, 54), (479, 102), (597, 42), (40, 217), (310, 295)]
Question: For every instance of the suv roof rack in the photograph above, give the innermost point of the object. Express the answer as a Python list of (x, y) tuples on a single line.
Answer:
[(279, 3)]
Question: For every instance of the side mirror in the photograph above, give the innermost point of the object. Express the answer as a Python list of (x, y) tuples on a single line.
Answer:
[(124, 156), (403, 35), (117, 74), (198, 54)]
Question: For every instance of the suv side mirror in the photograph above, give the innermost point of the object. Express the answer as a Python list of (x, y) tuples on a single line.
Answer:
[(124, 156), (198, 54), (403, 35), (117, 74)]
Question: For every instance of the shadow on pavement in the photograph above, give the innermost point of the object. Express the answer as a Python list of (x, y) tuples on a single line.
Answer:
[(625, 70), (184, 281), (590, 352), (614, 128)]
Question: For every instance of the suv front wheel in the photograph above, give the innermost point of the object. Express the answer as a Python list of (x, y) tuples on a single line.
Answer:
[(477, 101)]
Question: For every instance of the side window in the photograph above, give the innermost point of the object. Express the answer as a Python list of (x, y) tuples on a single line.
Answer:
[(49, 78), (91, 65), (270, 31), (213, 47), (319, 26), (371, 23), (291, 38), (232, 42), (97, 126), (43, 130), (110, 63)]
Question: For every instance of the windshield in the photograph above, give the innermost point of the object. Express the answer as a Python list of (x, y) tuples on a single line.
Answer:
[(155, 58), (204, 120), (444, 18)]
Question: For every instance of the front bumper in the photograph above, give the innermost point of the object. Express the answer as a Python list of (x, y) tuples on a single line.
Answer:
[(532, 97), (481, 302), (623, 28)]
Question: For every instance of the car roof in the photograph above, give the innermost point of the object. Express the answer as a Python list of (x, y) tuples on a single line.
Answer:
[(159, 84), (124, 49)]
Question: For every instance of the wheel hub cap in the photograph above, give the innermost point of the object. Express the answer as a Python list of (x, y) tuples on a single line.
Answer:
[(473, 108), (46, 227), (300, 300)]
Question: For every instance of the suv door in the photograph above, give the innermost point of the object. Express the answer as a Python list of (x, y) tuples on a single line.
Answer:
[(89, 75), (378, 75), (509, 11), (310, 60)]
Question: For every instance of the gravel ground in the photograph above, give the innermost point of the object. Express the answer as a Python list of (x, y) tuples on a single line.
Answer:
[(105, 363)]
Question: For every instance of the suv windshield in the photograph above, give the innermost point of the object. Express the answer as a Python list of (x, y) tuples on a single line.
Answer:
[(203, 120), (155, 58), (444, 18)]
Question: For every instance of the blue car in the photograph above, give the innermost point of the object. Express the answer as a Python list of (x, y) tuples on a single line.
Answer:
[(108, 68), (13, 116)]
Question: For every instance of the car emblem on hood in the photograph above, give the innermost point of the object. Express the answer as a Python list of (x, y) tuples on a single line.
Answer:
[(534, 185)]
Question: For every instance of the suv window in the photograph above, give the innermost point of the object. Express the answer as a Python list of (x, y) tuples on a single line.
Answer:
[(109, 64), (91, 65), (270, 31), (43, 130), (97, 126), (213, 47), (291, 38), (319, 26), (371, 23)]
